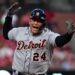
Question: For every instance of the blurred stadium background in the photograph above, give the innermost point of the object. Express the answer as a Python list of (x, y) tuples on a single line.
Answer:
[(57, 11)]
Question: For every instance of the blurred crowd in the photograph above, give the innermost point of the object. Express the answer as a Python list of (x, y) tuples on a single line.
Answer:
[(63, 58)]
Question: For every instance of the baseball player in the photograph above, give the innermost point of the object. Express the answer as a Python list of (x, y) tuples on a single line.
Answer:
[(34, 43)]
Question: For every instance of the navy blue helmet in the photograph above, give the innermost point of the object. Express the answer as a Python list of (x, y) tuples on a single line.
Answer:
[(39, 14)]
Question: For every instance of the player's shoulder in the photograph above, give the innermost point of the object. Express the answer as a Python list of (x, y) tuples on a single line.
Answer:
[(20, 29), (46, 30), (49, 32)]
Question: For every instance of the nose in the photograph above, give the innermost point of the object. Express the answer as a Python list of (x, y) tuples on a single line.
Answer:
[(35, 22)]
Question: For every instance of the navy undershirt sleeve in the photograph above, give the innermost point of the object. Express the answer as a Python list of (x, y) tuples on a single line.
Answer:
[(63, 39), (7, 26)]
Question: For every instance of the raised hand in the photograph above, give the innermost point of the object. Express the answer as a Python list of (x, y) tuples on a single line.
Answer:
[(13, 8), (70, 25)]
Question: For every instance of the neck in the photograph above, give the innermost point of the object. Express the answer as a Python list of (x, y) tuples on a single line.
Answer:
[(36, 34)]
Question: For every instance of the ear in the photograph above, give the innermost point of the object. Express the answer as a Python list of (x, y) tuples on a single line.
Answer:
[(29, 21)]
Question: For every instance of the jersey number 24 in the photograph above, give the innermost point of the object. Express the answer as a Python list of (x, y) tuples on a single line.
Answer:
[(38, 57)]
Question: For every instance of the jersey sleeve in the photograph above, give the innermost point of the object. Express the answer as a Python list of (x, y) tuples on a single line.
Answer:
[(52, 37), (13, 33)]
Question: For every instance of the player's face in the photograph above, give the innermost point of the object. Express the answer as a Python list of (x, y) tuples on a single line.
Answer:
[(35, 26)]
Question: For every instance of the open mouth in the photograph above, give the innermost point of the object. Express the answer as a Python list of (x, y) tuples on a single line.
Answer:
[(35, 27)]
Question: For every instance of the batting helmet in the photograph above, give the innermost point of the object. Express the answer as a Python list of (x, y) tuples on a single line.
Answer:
[(38, 13)]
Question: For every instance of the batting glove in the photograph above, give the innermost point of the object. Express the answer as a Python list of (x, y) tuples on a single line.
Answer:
[(13, 8), (70, 26)]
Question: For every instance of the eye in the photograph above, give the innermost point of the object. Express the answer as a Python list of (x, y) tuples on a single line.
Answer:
[(37, 19)]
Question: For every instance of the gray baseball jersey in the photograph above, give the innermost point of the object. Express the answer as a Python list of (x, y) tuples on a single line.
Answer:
[(33, 53)]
